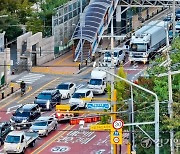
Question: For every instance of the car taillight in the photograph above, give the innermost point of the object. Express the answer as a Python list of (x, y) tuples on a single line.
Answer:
[(58, 114)]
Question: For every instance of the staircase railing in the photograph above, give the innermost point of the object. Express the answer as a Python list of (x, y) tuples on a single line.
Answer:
[(78, 50)]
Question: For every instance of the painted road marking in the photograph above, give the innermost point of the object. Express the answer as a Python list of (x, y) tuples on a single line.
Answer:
[(100, 151), (13, 107), (75, 136), (30, 78), (79, 86), (50, 141), (60, 149)]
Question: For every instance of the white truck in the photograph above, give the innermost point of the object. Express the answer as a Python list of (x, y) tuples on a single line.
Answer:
[(119, 56), (97, 82), (18, 141), (147, 40)]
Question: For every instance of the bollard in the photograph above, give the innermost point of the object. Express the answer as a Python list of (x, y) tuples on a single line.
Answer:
[(86, 62), (79, 66), (2, 95), (12, 90)]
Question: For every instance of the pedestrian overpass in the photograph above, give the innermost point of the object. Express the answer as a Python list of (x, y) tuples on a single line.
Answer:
[(96, 19)]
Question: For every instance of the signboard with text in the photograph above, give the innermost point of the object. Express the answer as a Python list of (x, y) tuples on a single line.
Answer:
[(100, 127), (98, 106)]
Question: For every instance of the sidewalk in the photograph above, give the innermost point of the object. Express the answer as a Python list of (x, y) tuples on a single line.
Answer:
[(8, 90), (63, 65)]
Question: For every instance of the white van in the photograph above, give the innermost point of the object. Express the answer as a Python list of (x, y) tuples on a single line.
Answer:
[(97, 82), (119, 56)]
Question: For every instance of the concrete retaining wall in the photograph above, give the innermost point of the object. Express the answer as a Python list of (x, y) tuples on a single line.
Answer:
[(46, 50)]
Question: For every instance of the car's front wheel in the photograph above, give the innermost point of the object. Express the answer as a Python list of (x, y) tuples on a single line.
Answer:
[(55, 127), (46, 134)]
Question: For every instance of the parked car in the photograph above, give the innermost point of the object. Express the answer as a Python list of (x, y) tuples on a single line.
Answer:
[(81, 97), (5, 128), (44, 125), (66, 89), (25, 114), (47, 99)]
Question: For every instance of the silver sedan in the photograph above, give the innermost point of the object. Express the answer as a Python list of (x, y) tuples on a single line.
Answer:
[(43, 125)]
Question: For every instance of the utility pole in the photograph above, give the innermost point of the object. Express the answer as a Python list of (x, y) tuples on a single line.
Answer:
[(113, 146), (132, 119), (81, 31), (174, 15), (170, 109)]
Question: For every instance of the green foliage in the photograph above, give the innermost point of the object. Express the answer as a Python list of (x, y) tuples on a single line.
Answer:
[(46, 14), (10, 26), (24, 10), (105, 119), (144, 103), (34, 24)]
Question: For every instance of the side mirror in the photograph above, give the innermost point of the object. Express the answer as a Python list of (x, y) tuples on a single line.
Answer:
[(36, 97), (13, 114), (88, 82)]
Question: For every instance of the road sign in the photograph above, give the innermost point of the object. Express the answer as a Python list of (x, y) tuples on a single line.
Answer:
[(116, 136), (63, 107), (98, 106), (117, 124), (100, 127)]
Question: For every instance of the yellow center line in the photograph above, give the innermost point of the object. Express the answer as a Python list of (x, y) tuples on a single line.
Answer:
[(38, 150), (38, 90), (29, 89)]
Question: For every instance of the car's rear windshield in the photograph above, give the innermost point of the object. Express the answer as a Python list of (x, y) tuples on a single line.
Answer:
[(63, 86), (12, 139), (45, 96), (78, 95)]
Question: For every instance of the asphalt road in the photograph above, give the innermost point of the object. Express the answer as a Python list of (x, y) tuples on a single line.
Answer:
[(67, 138)]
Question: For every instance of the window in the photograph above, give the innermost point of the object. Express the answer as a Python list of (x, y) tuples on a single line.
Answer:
[(22, 139), (120, 52), (71, 85), (50, 120), (88, 92)]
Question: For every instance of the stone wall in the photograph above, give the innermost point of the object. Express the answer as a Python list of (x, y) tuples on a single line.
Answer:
[(46, 52)]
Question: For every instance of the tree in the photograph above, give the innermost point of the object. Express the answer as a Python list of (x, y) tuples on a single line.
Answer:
[(34, 24), (144, 103), (11, 26), (24, 10)]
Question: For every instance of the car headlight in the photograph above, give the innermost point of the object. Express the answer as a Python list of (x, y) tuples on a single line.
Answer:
[(42, 130), (18, 147), (25, 120), (47, 104)]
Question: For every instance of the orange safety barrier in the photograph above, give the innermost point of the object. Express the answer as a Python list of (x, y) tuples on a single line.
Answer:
[(73, 122), (89, 119)]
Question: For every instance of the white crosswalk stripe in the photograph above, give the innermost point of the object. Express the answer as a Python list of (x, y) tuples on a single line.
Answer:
[(79, 86), (30, 78)]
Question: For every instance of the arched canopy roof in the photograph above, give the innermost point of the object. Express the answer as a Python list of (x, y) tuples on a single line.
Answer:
[(94, 14)]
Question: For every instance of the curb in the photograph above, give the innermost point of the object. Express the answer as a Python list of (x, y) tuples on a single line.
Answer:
[(10, 95)]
